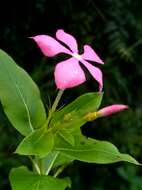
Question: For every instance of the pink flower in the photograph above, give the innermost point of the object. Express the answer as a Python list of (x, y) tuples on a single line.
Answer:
[(69, 73), (106, 111)]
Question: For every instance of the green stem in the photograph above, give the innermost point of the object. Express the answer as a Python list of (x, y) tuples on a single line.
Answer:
[(35, 165), (54, 106), (51, 163), (38, 163), (59, 170), (41, 166)]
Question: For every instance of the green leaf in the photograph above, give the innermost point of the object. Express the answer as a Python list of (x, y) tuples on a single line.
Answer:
[(39, 143), (23, 179), (72, 116), (68, 137), (49, 160), (20, 96), (61, 159), (92, 151)]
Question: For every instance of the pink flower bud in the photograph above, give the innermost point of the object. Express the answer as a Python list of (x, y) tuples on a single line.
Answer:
[(106, 111)]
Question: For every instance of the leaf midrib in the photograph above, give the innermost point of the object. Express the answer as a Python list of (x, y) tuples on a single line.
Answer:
[(86, 150), (21, 97)]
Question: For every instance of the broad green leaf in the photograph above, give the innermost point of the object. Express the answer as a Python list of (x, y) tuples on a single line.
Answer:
[(23, 179), (72, 116), (92, 151), (39, 143), (20, 96)]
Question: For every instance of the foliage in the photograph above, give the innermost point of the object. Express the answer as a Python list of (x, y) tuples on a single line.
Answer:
[(58, 133), (23, 179)]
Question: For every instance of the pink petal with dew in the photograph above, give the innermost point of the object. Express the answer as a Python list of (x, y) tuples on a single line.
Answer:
[(95, 72), (68, 74), (90, 54), (68, 39), (111, 109), (49, 46)]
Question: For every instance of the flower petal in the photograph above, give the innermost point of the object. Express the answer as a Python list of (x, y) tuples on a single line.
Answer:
[(90, 54), (69, 74), (95, 72), (49, 46), (111, 109), (68, 39)]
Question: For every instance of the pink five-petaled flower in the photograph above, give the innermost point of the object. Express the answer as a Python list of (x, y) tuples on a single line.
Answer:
[(68, 73)]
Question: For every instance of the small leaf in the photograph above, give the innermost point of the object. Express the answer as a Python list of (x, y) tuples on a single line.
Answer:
[(49, 160), (72, 116), (38, 143), (92, 151), (68, 137), (61, 159), (20, 97), (23, 179)]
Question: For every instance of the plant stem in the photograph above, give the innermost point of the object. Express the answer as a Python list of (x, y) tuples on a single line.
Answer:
[(38, 164), (51, 163), (59, 170), (35, 165), (41, 166), (57, 99), (54, 106)]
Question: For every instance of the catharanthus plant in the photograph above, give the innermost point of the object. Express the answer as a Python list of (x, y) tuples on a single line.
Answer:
[(53, 139), (69, 73)]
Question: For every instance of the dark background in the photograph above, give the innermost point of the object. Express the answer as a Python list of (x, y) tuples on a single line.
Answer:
[(114, 29)]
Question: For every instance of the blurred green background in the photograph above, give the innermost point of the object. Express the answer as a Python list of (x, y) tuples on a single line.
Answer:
[(114, 29)]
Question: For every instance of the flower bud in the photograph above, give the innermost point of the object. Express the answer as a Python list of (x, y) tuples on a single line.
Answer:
[(106, 111)]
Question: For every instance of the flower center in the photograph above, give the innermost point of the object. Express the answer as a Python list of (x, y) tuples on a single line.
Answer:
[(77, 56)]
